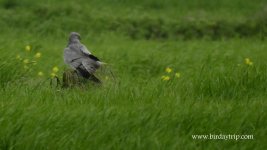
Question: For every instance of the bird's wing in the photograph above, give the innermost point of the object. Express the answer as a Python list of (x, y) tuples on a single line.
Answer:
[(90, 65), (77, 56), (72, 58), (93, 57), (87, 53), (84, 50)]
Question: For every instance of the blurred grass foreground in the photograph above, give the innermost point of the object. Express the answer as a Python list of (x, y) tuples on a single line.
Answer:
[(176, 68)]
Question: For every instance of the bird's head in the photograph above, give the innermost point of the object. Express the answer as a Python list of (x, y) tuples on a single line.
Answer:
[(74, 37)]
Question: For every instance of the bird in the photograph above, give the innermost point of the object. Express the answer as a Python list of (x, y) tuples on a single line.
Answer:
[(79, 58)]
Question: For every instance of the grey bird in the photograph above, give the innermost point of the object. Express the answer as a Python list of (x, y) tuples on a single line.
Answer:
[(79, 58)]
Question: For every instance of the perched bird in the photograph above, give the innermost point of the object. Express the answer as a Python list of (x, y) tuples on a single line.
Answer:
[(79, 58)]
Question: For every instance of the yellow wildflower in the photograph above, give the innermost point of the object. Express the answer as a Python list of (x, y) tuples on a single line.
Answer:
[(168, 70), (38, 55), (26, 61), (165, 78), (177, 75), (55, 69), (248, 62), (40, 73), (53, 75), (28, 48)]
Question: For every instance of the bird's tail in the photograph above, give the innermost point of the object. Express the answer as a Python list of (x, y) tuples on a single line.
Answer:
[(102, 63), (85, 74), (94, 79)]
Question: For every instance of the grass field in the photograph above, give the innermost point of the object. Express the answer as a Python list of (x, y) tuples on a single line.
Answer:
[(217, 74)]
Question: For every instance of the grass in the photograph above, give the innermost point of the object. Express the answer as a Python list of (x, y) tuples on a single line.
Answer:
[(217, 92)]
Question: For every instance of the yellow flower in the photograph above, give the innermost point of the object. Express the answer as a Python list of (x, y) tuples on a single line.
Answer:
[(165, 78), (248, 62), (40, 73), (53, 75), (26, 61), (177, 75), (55, 69), (168, 70), (38, 55), (28, 48)]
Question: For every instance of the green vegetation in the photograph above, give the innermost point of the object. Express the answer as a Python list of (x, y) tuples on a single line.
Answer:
[(217, 48)]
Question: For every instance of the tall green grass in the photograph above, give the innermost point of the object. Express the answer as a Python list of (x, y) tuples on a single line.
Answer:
[(217, 91), (10, 70)]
